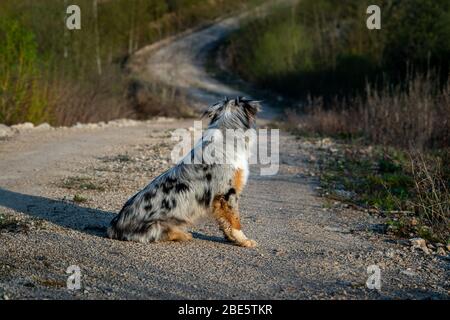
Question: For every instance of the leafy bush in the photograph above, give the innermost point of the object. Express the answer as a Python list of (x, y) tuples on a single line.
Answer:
[(324, 49), (411, 190), (85, 68), (22, 95)]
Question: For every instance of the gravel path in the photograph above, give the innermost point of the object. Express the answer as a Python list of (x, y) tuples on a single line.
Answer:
[(59, 188)]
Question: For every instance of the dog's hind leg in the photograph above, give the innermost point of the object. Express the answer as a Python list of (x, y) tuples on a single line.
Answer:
[(227, 215), (176, 234), (173, 230)]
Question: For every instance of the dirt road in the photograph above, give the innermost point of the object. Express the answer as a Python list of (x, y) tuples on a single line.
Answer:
[(59, 188)]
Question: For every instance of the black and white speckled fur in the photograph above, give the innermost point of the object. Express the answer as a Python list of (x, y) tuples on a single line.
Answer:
[(185, 192)]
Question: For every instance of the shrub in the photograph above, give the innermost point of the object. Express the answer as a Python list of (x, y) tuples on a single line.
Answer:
[(22, 94)]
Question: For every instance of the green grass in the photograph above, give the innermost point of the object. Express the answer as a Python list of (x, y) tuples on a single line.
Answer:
[(5, 221), (81, 183), (323, 48), (117, 158), (9, 223), (79, 199), (386, 180), (376, 185), (49, 283), (49, 74)]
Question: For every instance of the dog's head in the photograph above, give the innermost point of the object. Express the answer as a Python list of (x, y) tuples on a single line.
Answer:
[(239, 113)]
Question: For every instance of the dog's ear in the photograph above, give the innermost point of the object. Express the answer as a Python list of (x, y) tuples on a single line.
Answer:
[(212, 110), (206, 113), (251, 107)]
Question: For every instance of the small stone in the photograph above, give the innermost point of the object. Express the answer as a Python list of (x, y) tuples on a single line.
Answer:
[(408, 272), (448, 247), (390, 253), (337, 229), (344, 194), (43, 126), (23, 126), (92, 126), (441, 251), (419, 243), (5, 131)]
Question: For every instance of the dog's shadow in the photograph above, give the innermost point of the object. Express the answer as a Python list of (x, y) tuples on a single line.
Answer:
[(201, 236), (68, 214), (63, 213)]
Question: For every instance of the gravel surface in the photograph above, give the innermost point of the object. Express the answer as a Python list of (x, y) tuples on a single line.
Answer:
[(59, 188)]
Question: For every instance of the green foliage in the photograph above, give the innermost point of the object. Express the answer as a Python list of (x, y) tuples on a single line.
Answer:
[(379, 182), (281, 50), (79, 199), (413, 193), (421, 34), (323, 48), (21, 94), (37, 53), (81, 183)]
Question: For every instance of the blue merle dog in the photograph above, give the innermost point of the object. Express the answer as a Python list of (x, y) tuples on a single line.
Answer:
[(192, 189)]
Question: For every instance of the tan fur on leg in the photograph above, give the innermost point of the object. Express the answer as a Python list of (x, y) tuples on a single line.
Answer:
[(229, 222), (175, 234), (238, 180)]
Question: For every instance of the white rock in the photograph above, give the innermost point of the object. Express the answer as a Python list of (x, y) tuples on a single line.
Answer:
[(326, 142), (390, 253), (23, 126), (344, 194), (334, 150), (123, 123), (164, 119), (91, 125), (419, 243), (408, 272), (5, 131), (43, 126), (79, 126)]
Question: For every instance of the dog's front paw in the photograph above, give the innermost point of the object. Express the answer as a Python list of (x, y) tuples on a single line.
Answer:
[(248, 243)]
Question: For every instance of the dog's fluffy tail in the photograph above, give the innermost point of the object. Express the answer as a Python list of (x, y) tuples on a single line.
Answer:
[(112, 231), (139, 231)]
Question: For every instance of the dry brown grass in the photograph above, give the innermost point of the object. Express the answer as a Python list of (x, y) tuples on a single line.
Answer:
[(151, 99), (77, 103), (432, 194), (414, 120), (99, 101), (417, 116)]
